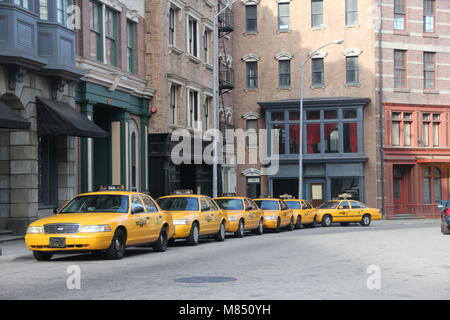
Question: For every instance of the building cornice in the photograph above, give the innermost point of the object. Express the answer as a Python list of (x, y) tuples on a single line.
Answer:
[(316, 102)]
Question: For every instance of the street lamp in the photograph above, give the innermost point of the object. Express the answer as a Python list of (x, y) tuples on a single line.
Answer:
[(227, 5), (302, 77)]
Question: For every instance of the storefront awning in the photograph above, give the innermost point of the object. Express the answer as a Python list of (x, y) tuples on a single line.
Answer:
[(10, 119), (60, 119)]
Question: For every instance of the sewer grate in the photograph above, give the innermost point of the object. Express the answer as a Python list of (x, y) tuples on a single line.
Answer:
[(205, 279)]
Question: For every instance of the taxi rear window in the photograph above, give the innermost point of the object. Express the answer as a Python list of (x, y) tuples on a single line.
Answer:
[(230, 204), (97, 203), (293, 204), (268, 204), (179, 204), (329, 205)]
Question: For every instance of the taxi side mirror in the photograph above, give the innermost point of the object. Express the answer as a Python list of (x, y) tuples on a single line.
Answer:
[(341, 207), (55, 211), (206, 209), (137, 210), (248, 208)]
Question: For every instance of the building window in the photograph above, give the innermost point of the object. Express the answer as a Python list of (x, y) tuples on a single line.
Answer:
[(26, 4), (172, 26), (351, 186), (351, 12), (173, 103), (430, 129), (352, 70), (251, 19), (253, 187), (208, 102), (252, 74), (284, 70), (283, 16), (206, 45), (317, 13), (429, 70), (61, 11), (399, 15), (401, 129), (429, 9), (432, 191), (112, 37), (96, 31), (194, 109), (47, 172), (252, 136), (193, 37), (43, 9), (399, 68), (131, 46), (318, 72), (133, 162)]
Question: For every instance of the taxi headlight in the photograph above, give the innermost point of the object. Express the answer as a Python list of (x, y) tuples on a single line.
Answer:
[(233, 219), (35, 230), (270, 217), (96, 228), (181, 222)]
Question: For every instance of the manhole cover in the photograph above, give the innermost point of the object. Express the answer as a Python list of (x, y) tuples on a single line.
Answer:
[(206, 279)]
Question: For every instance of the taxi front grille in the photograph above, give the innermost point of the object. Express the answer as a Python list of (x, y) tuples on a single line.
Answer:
[(61, 228)]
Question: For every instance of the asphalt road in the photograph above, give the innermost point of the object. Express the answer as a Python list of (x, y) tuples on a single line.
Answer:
[(405, 260)]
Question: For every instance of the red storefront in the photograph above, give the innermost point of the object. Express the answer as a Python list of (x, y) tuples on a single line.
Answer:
[(417, 159)]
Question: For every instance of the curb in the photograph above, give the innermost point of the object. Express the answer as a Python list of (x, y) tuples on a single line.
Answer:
[(10, 239)]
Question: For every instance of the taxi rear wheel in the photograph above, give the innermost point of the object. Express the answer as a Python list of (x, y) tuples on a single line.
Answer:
[(290, 226), (278, 228), (220, 236), (240, 231), (117, 249), (314, 223), (162, 243), (298, 224), (192, 240), (42, 256), (260, 230)]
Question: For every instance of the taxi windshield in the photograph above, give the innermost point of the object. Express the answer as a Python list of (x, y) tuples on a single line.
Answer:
[(329, 205), (179, 204), (97, 203), (293, 204), (230, 204), (267, 204)]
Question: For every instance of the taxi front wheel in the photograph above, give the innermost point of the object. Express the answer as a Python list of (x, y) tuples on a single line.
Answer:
[(42, 256), (220, 236), (117, 249), (162, 243), (327, 221), (192, 240), (366, 220), (240, 232), (260, 230)]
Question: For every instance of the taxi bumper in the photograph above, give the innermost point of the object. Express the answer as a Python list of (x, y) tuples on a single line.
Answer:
[(233, 226), (182, 231), (270, 224), (74, 242)]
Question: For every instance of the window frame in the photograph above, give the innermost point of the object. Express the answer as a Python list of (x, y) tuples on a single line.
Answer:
[(320, 14), (254, 19), (349, 12), (288, 5), (401, 69)]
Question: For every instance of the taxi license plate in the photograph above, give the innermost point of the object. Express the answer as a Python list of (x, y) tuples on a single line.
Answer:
[(57, 243)]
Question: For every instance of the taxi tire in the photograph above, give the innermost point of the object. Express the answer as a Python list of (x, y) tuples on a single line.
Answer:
[(313, 224), (278, 228), (298, 224), (220, 236), (366, 220), (444, 229), (240, 232), (42, 256), (193, 238), (117, 249), (163, 243), (260, 230), (327, 221), (290, 226)]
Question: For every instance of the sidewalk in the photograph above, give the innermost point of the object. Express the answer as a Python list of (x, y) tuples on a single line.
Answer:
[(13, 249)]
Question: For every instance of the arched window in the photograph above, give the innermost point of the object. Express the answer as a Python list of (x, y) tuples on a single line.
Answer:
[(134, 157), (432, 185)]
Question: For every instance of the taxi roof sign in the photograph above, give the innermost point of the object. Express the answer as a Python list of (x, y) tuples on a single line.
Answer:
[(183, 192), (112, 188)]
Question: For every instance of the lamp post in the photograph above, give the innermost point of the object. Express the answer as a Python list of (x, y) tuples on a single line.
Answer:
[(302, 77), (215, 90)]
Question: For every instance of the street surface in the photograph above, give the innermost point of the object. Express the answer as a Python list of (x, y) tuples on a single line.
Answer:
[(413, 258)]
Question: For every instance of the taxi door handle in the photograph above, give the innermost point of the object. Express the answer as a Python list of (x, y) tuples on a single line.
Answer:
[(148, 218)]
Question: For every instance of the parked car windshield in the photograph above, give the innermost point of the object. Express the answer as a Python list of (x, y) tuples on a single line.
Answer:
[(97, 203), (293, 204), (230, 204), (329, 205), (179, 204), (268, 204)]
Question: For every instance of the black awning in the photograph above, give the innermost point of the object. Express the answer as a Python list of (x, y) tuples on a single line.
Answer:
[(61, 119), (10, 119)]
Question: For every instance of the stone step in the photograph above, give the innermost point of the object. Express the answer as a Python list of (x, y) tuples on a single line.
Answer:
[(5, 232), (406, 216), (6, 236)]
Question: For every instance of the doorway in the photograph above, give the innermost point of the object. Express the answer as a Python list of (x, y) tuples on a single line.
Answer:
[(401, 188)]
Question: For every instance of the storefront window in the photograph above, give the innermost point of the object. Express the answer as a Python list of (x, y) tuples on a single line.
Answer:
[(350, 137), (313, 138), (341, 186), (294, 138), (432, 190), (331, 138)]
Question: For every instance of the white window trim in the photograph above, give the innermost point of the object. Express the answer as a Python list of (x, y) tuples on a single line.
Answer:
[(284, 56), (190, 122), (352, 52), (190, 16), (251, 57)]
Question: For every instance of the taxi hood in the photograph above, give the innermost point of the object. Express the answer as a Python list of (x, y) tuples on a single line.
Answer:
[(80, 218)]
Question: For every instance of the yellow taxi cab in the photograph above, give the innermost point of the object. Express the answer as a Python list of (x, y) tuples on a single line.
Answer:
[(346, 212), (106, 221), (242, 214), (194, 216), (304, 213), (277, 214)]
